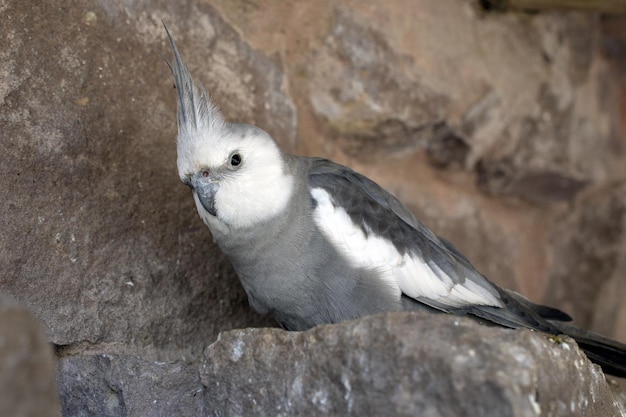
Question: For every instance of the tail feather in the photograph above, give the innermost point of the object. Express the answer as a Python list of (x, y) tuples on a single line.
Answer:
[(545, 312)]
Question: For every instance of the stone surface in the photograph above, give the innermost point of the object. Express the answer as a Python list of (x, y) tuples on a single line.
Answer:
[(402, 364), (124, 385), (376, 88), (27, 362), (391, 364), (594, 235)]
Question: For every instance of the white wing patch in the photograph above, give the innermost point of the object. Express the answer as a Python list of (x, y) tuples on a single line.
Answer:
[(407, 274)]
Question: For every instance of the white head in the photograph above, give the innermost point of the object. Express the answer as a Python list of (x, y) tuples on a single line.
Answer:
[(236, 171)]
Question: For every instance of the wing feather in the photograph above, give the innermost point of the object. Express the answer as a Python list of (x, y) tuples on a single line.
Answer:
[(375, 231)]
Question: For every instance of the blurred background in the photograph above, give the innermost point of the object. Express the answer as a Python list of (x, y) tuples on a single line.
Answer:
[(500, 124)]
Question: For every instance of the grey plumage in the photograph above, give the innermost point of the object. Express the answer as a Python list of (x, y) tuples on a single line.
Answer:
[(314, 242)]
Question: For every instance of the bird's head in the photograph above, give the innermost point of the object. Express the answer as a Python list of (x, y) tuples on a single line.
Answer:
[(236, 171)]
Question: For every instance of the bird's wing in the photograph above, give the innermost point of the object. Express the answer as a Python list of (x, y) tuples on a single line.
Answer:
[(373, 230)]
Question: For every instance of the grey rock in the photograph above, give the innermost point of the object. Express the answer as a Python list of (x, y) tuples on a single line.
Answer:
[(598, 222), (534, 117), (609, 315), (27, 362), (403, 364), (446, 148), (391, 364), (541, 187), (544, 150), (368, 94), (124, 385)]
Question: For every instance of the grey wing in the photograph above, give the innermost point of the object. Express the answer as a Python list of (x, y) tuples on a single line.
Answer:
[(423, 267), (390, 238)]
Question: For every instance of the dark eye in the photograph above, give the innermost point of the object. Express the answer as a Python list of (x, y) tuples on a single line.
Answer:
[(235, 160)]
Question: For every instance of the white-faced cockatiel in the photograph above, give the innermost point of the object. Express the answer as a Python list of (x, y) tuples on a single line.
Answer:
[(314, 242)]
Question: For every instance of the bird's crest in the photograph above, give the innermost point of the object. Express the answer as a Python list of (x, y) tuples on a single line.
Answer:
[(196, 113)]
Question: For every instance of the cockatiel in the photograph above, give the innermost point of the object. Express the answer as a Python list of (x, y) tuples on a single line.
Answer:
[(314, 242)]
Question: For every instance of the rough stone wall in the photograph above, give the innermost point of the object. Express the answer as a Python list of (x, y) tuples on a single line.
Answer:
[(504, 133)]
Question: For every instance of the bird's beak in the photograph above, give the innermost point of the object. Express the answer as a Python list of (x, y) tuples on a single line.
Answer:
[(205, 189)]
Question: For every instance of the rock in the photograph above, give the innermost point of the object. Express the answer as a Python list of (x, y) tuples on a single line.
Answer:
[(27, 365), (446, 148), (620, 396), (124, 385), (599, 222), (609, 281), (395, 363), (369, 94), (403, 364), (525, 113)]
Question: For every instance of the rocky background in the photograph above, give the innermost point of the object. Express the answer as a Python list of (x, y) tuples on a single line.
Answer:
[(503, 131)]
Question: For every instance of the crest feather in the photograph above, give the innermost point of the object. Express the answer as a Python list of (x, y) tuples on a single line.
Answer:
[(195, 112)]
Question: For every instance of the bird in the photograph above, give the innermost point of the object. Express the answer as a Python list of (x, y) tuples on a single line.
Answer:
[(314, 242)]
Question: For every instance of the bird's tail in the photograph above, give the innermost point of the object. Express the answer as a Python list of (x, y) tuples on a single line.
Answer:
[(608, 353)]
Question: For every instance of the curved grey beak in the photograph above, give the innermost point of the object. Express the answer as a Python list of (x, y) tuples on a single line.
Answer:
[(205, 188)]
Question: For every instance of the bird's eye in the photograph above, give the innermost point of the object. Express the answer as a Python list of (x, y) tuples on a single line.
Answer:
[(205, 173), (235, 160)]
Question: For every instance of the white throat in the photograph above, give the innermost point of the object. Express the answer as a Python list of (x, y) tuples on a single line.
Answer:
[(245, 204)]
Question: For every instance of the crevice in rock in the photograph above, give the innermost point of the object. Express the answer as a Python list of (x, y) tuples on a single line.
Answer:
[(89, 348)]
